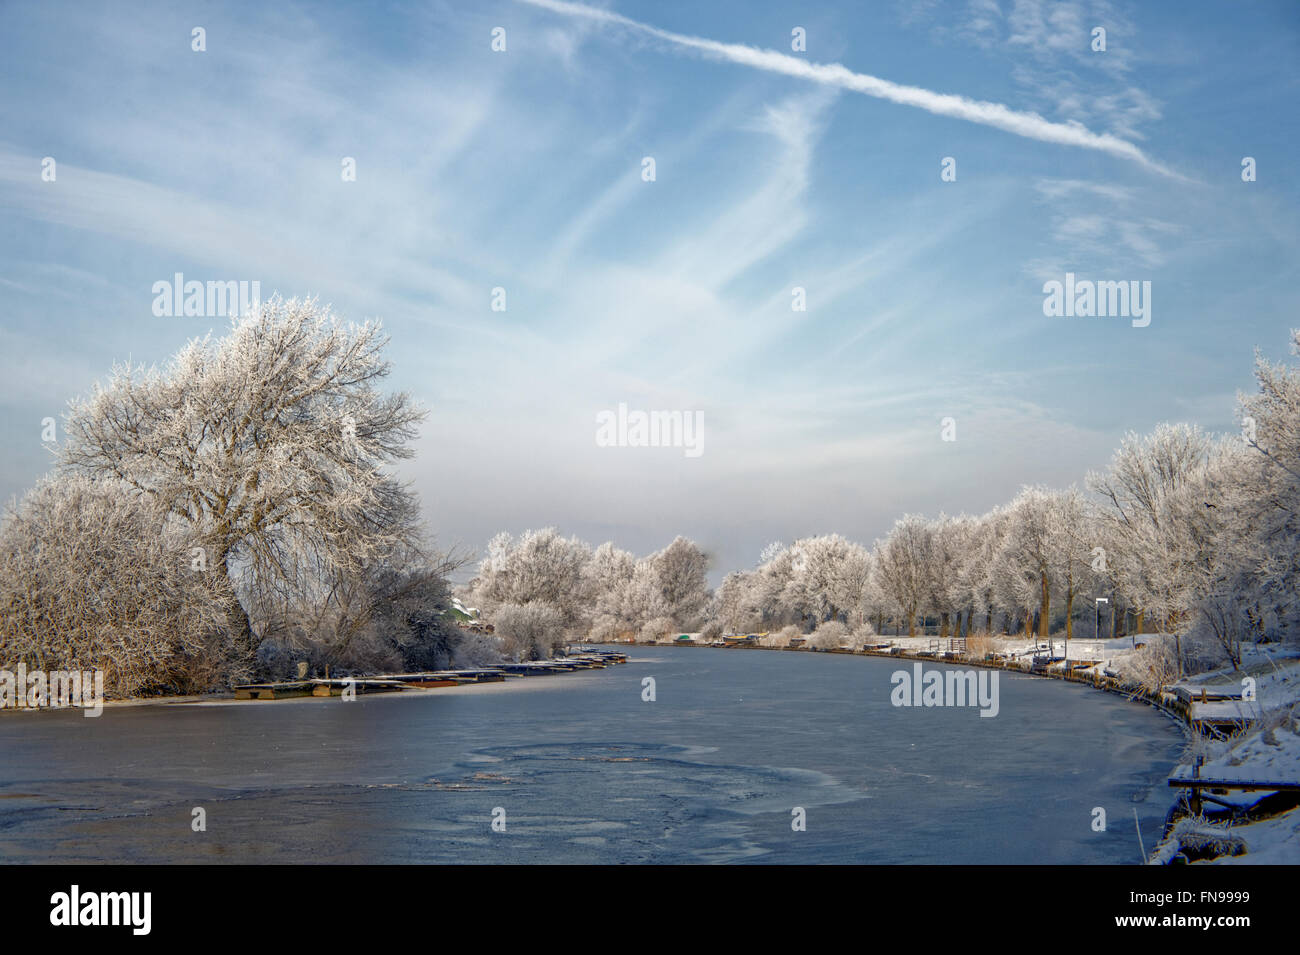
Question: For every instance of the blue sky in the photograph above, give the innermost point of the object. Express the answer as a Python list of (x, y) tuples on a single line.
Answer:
[(522, 169)]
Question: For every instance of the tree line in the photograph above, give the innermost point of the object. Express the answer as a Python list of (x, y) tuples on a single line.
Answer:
[(234, 513), (1184, 532)]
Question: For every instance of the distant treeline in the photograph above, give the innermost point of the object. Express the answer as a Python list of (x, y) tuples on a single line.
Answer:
[(232, 515)]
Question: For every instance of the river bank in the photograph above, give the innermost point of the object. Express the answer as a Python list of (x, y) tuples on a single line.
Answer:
[(836, 686), (350, 687), (1256, 826)]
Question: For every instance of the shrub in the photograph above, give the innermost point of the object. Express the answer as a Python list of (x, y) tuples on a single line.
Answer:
[(604, 630), (1151, 666), (863, 634), (92, 578), (980, 645), (788, 633), (829, 635), (528, 631), (655, 630), (469, 649)]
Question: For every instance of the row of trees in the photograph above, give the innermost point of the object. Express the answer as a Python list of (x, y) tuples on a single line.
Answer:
[(1190, 534), (233, 513), (541, 590)]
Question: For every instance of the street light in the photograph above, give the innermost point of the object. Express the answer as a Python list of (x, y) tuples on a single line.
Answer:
[(1096, 628)]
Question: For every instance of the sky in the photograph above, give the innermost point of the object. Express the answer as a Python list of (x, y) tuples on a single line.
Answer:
[(524, 169)]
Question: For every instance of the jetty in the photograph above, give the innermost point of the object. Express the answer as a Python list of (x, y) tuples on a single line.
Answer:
[(1199, 789), (315, 687), (575, 658)]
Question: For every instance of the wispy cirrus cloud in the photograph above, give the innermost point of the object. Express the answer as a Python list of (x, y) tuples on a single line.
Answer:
[(522, 170), (1054, 60), (996, 115), (1101, 225)]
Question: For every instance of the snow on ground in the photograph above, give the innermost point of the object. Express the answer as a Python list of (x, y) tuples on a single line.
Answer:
[(1268, 751), (1276, 675), (1274, 841), (1272, 753)]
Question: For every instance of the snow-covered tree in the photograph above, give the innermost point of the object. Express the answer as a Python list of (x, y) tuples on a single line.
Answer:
[(828, 578), (529, 631), (654, 630), (1208, 544), (270, 443), (1072, 544), (93, 578), (539, 567), (1143, 471), (986, 541), (946, 596), (829, 635), (607, 581), (877, 605), (1271, 552), (738, 608), (902, 564), (1028, 551), (679, 573)]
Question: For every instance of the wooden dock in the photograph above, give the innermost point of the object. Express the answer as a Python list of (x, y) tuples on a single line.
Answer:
[(1204, 789), (1240, 785), (272, 691), (576, 659), (338, 686)]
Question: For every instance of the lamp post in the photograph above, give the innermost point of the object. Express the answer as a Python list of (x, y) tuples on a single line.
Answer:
[(1096, 629)]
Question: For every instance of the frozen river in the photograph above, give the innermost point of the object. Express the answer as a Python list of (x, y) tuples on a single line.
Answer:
[(581, 769)]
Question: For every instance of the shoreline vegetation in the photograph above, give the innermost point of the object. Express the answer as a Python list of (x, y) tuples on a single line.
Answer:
[(234, 518)]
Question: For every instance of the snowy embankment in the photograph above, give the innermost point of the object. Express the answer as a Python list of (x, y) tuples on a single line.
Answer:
[(1257, 711), (1260, 827), (1260, 743), (1244, 827)]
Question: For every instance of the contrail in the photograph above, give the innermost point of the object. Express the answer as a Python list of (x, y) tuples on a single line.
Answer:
[(1029, 125)]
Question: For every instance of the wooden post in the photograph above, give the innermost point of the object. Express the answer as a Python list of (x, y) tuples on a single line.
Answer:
[(1195, 802)]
